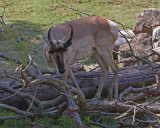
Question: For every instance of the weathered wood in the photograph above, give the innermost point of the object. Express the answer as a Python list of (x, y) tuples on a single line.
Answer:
[(88, 81), (141, 46), (133, 76), (147, 21)]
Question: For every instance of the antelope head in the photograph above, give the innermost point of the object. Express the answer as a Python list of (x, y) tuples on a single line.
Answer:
[(57, 48)]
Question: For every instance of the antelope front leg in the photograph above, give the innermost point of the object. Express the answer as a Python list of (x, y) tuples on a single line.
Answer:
[(64, 75), (74, 81)]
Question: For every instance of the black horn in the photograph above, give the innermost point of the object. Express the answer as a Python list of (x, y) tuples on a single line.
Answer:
[(50, 40), (69, 41)]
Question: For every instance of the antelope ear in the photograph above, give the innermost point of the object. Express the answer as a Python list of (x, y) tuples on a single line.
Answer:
[(45, 39)]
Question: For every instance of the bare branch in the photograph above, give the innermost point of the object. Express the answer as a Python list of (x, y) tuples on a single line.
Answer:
[(11, 95), (18, 111), (12, 118), (76, 118), (33, 99), (2, 20), (22, 69), (100, 125), (35, 65), (145, 109), (24, 96), (127, 41), (72, 8), (104, 113), (146, 90), (14, 78)]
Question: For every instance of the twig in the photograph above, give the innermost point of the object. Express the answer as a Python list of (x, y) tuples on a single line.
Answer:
[(146, 123), (14, 78), (78, 14), (100, 119), (12, 94), (18, 111), (72, 8), (124, 114), (72, 105), (1, 20), (12, 117), (30, 62), (73, 108), (104, 113), (60, 111), (139, 58), (17, 61), (55, 82), (76, 118), (94, 68), (147, 90), (134, 114), (152, 101), (33, 98), (35, 65), (28, 114), (100, 125), (55, 102), (26, 97), (145, 109), (22, 69), (127, 41), (131, 54)]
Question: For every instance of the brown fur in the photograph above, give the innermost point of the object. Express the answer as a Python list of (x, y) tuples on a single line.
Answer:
[(92, 35)]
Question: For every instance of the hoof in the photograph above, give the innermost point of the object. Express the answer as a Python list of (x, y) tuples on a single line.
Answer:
[(96, 97)]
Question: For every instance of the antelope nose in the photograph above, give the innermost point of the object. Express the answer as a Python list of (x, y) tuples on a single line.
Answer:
[(61, 71)]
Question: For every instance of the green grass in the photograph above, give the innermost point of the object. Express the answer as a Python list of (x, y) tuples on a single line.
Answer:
[(31, 17), (9, 123), (63, 122)]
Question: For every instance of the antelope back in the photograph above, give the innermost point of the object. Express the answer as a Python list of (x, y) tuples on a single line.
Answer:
[(82, 34)]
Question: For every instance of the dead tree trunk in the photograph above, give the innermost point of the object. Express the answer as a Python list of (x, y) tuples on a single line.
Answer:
[(132, 76), (88, 81)]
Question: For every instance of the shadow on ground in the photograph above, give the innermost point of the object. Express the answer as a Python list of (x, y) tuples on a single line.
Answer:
[(28, 29)]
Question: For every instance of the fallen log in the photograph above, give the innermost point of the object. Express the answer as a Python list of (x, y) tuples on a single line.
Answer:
[(136, 76)]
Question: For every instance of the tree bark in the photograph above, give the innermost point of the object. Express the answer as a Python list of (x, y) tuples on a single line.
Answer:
[(136, 76), (147, 21), (132, 76)]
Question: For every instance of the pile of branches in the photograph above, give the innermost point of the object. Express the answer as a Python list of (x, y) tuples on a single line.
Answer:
[(72, 102)]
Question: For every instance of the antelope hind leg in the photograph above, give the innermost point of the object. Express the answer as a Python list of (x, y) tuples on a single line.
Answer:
[(104, 69), (106, 54), (113, 89)]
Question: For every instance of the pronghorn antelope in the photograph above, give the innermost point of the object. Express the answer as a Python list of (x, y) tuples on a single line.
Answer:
[(90, 36)]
